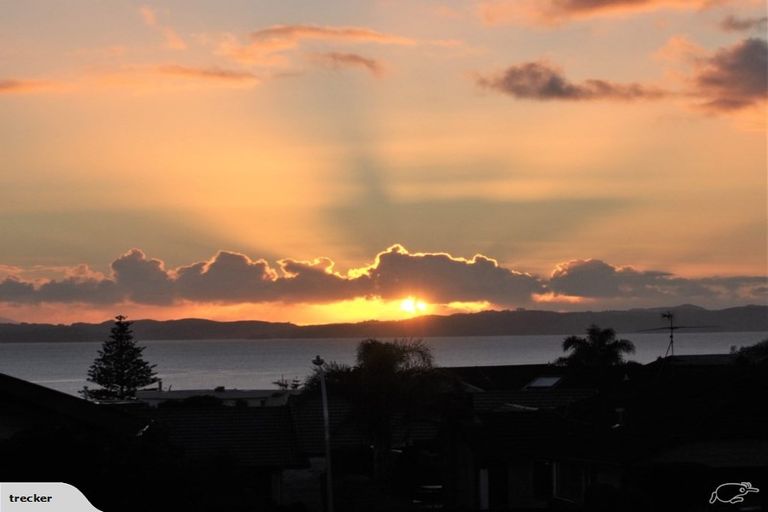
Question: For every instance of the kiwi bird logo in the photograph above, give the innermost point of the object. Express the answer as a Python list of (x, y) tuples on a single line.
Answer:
[(732, 492)]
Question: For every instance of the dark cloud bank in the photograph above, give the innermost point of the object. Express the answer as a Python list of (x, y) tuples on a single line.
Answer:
[(395, 273), (543, 81), (586, 7), (731, 78), (734, 77)]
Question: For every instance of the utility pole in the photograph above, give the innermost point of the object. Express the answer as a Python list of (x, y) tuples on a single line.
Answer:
[(319, 362), (671, 317)]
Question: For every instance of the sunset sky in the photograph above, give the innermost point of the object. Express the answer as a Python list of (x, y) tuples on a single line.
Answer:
[(344, 160)]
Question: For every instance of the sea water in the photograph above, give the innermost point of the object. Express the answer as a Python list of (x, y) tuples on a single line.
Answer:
[(256, 364)]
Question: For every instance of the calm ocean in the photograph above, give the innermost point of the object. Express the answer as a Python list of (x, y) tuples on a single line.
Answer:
[(255, 364)]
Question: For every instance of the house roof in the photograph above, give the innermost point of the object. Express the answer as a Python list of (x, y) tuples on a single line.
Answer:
[(491, 378), (253, 436), (269, 397), (625, 413), (721, 453), (307, 414), (347, 429), (179, 394), (539, 398), (54, 407), (697, 360), (723, 399), (514, 430)]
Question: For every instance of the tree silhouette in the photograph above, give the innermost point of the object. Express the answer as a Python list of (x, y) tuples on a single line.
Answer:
[(756, 353), (391, 383), (119, 367), (599, 348)]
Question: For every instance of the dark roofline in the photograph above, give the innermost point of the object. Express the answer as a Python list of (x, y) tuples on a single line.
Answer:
[(103, 417), (697, 360), (500, 366), (260, 437)]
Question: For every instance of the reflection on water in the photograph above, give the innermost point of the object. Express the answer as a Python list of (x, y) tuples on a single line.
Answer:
[(254, 364)]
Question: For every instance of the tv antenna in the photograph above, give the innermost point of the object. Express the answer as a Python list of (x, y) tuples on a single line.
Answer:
[(668, 315), (671, 317)]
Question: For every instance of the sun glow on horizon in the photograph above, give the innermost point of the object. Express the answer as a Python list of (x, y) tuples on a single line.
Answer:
[(413, 306)]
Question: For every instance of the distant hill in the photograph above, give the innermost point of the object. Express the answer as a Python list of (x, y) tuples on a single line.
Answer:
[(531, 322), (186, 329), (4, 320), (487, 323)]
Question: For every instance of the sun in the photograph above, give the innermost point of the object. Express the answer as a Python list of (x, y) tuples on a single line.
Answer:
[(413, 305)]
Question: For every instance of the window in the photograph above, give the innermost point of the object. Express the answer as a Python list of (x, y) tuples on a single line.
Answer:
[(543, 382)]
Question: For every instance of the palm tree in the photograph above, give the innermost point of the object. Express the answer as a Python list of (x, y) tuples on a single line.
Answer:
[(400, 356), (599, 348), (391, 382)]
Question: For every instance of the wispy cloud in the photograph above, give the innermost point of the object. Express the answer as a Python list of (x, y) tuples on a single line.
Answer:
[(172, 39), (543, 81), (349, 60), (148, 15), (18, 86), (736, 24), (291, 34), (549, 12), (264, 46), (146, 78), (210, 73)]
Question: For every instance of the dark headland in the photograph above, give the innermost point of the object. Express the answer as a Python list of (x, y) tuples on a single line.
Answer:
[(488, 323)]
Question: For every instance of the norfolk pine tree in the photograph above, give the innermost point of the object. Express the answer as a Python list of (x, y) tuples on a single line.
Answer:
[(119, 367)]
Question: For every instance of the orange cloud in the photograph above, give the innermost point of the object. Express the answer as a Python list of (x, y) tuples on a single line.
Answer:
[(146, 78), (14, 86), (280, 35), (265, 43), (212, 73), (548, 12), (148, 15), (150, 78), (560, 299), (680, 49), (43, 273), (172, 39)]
